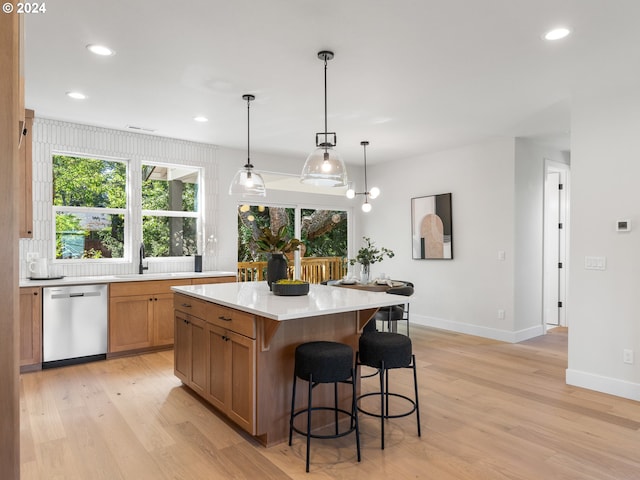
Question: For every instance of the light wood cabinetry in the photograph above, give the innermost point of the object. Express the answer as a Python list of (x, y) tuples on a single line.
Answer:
[(190, 346), (30, 328), (25, 167), (141, 313), (205, 280), (225, 354)]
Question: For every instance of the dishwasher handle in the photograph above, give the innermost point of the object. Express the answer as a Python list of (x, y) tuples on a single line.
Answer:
[(76, 294)]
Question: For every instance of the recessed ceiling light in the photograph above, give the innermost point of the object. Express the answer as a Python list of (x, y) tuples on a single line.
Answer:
[(200, 118), (76, 95), (101, 50), (557, 33)]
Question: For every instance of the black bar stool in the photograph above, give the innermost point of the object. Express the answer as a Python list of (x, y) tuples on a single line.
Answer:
[(385, 351), (325, 362)]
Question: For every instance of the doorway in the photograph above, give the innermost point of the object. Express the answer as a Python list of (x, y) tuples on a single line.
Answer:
[(555, 248)]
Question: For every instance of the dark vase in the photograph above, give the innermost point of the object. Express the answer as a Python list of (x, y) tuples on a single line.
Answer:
[(276, 268)]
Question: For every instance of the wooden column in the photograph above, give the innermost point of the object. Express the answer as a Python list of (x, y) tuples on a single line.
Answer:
[(10, 94)]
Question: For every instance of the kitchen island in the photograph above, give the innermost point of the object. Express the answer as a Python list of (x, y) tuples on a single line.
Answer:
[(235, 344)]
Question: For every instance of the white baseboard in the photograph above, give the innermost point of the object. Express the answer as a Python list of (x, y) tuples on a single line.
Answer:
[(612, 386), (478, 330)]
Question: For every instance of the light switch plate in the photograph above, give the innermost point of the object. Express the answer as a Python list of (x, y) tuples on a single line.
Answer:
[(595, 263)]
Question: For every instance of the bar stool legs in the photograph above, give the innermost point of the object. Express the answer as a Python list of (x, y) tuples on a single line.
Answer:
[(385, 351), (324, 362)]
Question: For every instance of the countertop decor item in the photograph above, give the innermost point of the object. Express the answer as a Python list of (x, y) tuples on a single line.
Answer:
[(368, 255), (290, 288), (276, 245)]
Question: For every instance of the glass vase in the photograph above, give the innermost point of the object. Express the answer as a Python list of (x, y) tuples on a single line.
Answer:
[(364, 273)]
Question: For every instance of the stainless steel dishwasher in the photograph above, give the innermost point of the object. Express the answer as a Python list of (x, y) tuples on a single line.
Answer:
[(74, 324)]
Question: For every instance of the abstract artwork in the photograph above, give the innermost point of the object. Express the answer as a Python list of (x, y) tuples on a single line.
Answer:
[(431, 227)]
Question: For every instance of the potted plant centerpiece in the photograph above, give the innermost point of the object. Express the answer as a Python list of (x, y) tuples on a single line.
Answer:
[(368, 255), (276, 245)]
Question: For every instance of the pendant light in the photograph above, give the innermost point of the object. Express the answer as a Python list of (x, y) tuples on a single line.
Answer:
[(324, 167), (246, 181), (373, 193)]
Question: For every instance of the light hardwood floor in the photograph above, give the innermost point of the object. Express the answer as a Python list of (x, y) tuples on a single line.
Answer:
[(489, 410)]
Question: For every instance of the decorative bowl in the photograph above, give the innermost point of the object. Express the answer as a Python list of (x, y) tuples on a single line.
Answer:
[(290, 289)]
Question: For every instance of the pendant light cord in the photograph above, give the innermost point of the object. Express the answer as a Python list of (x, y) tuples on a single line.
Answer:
[(325, 104), (366, 188), (248, 135)]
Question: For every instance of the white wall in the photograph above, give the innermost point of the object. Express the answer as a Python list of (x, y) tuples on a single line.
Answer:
[(604, 314), (463, 294)]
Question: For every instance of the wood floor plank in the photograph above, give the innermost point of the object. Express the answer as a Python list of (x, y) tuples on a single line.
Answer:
[(489, 410)]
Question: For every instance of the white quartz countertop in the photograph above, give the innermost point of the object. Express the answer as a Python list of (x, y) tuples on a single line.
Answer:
[(132, 277), (255, 297)]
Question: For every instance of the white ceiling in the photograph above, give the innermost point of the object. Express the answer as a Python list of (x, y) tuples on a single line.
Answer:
[(410, 76)]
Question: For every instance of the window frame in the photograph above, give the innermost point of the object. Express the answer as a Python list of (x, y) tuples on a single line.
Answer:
[(133, 213), (197, 214), (126, 212)]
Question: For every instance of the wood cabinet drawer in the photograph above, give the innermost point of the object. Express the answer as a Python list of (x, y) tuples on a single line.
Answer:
[(234, 320), (149, 287), (192, 306)]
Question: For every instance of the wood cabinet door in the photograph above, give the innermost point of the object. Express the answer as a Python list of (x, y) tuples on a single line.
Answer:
[(130, 322), (182, 348), (199, 352), (241, 404), (218, 367), (163, 319), (30, 326)]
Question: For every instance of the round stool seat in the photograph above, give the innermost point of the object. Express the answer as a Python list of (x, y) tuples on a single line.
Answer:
[(392, 348), (325, 362), (393, 313)]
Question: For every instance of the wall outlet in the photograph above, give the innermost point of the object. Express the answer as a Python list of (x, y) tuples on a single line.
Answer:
[(500, 314), (627, 356), (32, 256)]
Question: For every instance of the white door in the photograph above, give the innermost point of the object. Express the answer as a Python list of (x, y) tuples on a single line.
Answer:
[(555, 244)]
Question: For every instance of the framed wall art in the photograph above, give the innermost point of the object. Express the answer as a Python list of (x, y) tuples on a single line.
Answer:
[(431, 227)]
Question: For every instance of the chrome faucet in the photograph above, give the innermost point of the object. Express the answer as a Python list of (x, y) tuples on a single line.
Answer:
[(141, 267)]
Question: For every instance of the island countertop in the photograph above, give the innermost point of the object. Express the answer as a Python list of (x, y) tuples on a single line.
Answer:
[(256, 298)]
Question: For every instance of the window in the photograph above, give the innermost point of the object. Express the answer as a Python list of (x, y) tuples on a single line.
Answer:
[(90, 207), (93, 216), (170, 210), (251, 219), (323, 234)]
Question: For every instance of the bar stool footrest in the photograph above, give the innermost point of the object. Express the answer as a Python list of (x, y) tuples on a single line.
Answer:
[(380, 415), (352, 427)]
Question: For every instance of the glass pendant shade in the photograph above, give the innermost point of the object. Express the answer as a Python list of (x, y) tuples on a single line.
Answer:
[(366, 207), (324, 168), (247, 182), (374, 192)]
